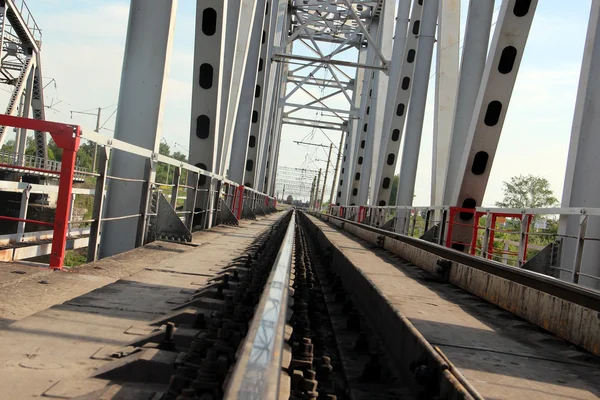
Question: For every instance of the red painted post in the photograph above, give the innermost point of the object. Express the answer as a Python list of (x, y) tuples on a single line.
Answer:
[(66, 137), (491, 238), (240, 202), (529, 218), (475, 231), (450, 226)]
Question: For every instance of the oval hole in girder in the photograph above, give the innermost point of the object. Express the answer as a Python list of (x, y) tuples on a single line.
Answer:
[(341, 182), (480, 162), (252, 141), (257, 91), (410, 57), (357, 176), (395, 135), (205, 77), (365, 127), (405, 83), (354, 192), (368, 110), (390, 159), (264, 38), (492, 114), (343, 169), (382, 203), (339, 195), (249, 165), (521, 7), (362, 144), (386, 183), (360, 160), (254, 116), (400, 109), (260, 64), (416, 26), (203, 127), (507, 59), (468, 203), (209, 21)]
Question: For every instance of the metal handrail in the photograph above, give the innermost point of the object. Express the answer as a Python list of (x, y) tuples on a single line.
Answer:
[(258, 368)]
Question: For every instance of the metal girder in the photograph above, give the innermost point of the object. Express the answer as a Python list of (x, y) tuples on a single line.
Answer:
[(245, 32), (582, 181), (398, 96), (320, 82), (312, 124), (139, 119), (377, 107), (207, 94), (475, 47), (321, 108), (250, 99), (282, 57), (275, 74), (505, 54), (416, 111), (446, 86), (360, 91), (355, 171)]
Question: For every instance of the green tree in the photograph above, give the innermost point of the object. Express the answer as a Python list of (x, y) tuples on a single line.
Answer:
[(528, 191)]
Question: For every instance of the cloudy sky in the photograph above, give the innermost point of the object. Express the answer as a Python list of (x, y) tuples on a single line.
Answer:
[(83, 48)]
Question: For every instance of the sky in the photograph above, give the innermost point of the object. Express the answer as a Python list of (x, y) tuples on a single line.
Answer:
[(82, 53)]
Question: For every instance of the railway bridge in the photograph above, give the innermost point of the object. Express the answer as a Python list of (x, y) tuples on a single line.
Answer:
[(200, 284)]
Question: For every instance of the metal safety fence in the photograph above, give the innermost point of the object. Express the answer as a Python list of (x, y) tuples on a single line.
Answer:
[(195, 195), (509, 236)]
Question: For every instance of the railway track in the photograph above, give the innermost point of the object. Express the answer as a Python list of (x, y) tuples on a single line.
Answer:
[(310, 311)]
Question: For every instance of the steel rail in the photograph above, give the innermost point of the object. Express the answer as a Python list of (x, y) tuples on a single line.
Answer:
[(555, 287), (258, 368)]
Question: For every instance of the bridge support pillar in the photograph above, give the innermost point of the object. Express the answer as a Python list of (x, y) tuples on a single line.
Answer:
[(582, 181), (139, 116)]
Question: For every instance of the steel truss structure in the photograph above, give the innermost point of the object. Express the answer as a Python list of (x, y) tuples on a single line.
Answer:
[(21, 67), (358, 67)]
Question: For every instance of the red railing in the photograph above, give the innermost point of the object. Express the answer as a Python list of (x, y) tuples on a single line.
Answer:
[(473, 246), (66, 137)]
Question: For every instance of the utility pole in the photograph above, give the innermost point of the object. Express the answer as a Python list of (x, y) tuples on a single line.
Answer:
[(317, 205), (96, 145), (312, 193), (326, 172), (337, 166)]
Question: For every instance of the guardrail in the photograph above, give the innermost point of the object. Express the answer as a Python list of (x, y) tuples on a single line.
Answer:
[(186, 177), (258, 368), (510, 236)]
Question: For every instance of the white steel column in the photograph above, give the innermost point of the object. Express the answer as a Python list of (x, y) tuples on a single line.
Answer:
[(397, 107), (446, 85), (500, 74), (279, 23), (207, 92), (582, 180), (475, 47), (416, 111), (360, 91), (232, 11), (378, 98), (251, 162), (355, 173), (139, 116), (240, 58), (248, 98)]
